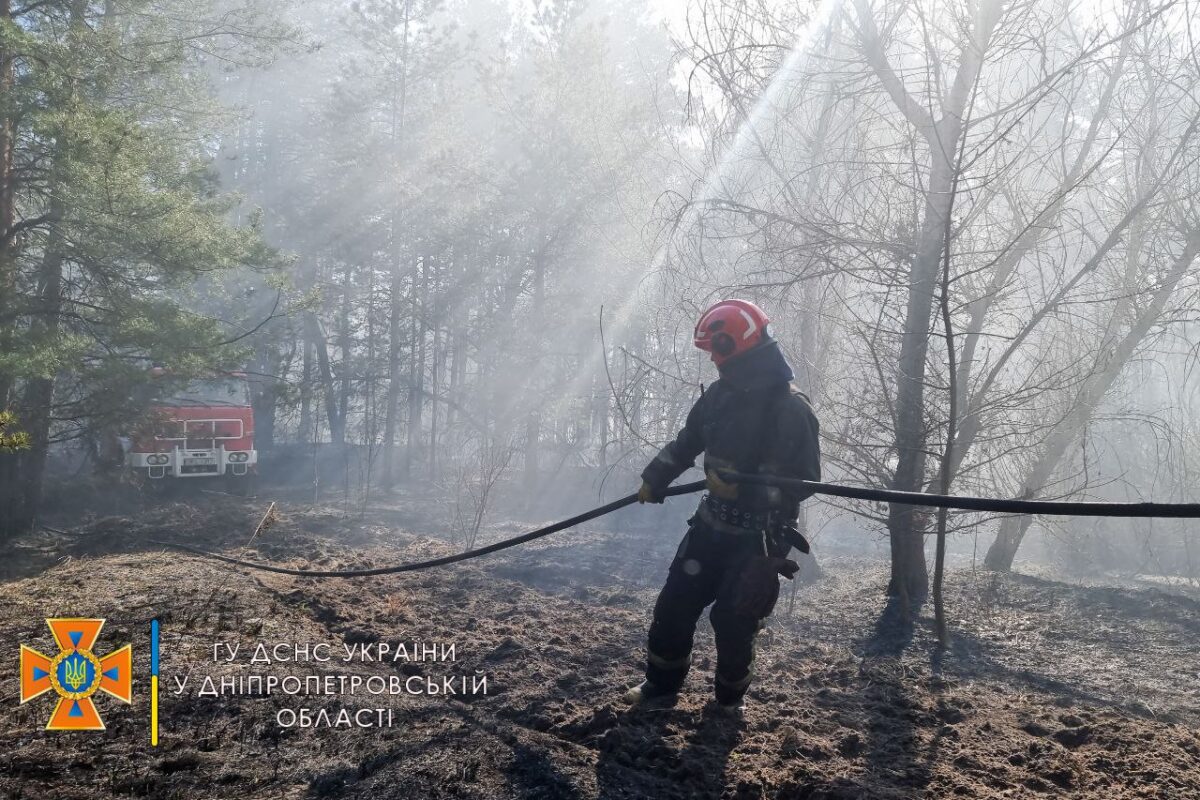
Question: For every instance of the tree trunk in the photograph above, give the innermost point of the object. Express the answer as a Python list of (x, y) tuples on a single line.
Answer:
[(392, 402), (600, 415), (533, 421), (306, 433), (399, 102), (910, 576), (457, 355), (533, 434), (267, 363), (416, 377), (433, 408), (39, 393), (337, 429), (345, 344)]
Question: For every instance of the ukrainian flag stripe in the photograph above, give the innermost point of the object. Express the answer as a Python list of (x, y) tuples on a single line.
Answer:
[(154, 711), (154, 647), (154, 683)]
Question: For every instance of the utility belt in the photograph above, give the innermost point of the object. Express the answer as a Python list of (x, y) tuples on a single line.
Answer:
[(726, 517)]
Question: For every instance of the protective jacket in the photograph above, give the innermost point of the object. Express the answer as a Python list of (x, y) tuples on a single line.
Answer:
[(753, 419)]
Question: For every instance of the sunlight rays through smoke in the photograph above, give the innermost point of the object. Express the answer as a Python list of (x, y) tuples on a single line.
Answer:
[(617, 321)]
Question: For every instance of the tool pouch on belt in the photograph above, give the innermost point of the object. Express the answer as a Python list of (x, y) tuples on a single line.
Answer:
[(790, 534), (758, 585)]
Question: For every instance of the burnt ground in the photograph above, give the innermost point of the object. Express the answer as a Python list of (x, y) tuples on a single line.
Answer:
[(1049, 689)]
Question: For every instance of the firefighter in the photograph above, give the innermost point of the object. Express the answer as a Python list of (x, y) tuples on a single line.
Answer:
[(752, 419)]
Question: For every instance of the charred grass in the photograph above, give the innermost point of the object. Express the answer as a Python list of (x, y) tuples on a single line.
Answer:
[(1049, 689)]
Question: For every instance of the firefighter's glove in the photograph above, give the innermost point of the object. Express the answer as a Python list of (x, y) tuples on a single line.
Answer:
[(718, 487), (647, 494), (786, 567), (758, 585)]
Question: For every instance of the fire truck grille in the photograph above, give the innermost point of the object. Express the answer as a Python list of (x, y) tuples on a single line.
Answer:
[(198, 469)]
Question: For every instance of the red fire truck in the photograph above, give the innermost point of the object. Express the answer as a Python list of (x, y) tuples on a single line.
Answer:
[(204, 429)]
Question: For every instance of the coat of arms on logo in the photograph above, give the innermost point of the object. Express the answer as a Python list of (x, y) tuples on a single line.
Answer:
[(75, 674)]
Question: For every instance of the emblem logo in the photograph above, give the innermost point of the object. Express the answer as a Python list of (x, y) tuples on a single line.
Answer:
[(76, 674)]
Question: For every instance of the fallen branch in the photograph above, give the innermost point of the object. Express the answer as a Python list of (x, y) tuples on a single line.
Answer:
[(267, 518)]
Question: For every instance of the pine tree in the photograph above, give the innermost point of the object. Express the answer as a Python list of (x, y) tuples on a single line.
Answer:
[(116, 212)]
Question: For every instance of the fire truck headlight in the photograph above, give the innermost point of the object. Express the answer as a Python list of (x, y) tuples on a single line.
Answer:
[(157, 460), (239, 458)]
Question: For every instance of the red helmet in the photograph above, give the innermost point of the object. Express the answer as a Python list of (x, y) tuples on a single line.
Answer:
[(730, 328)]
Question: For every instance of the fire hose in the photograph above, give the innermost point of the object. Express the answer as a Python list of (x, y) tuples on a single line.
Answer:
[(607, 508), (966, 503)]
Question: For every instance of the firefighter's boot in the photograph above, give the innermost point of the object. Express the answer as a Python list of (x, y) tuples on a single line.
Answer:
[(646, 692), (734, 709)]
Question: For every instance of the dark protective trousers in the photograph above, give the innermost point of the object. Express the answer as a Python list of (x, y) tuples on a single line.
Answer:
[(706, 570)]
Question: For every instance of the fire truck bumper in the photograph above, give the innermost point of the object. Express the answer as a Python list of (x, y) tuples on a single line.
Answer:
[(180, 463)]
